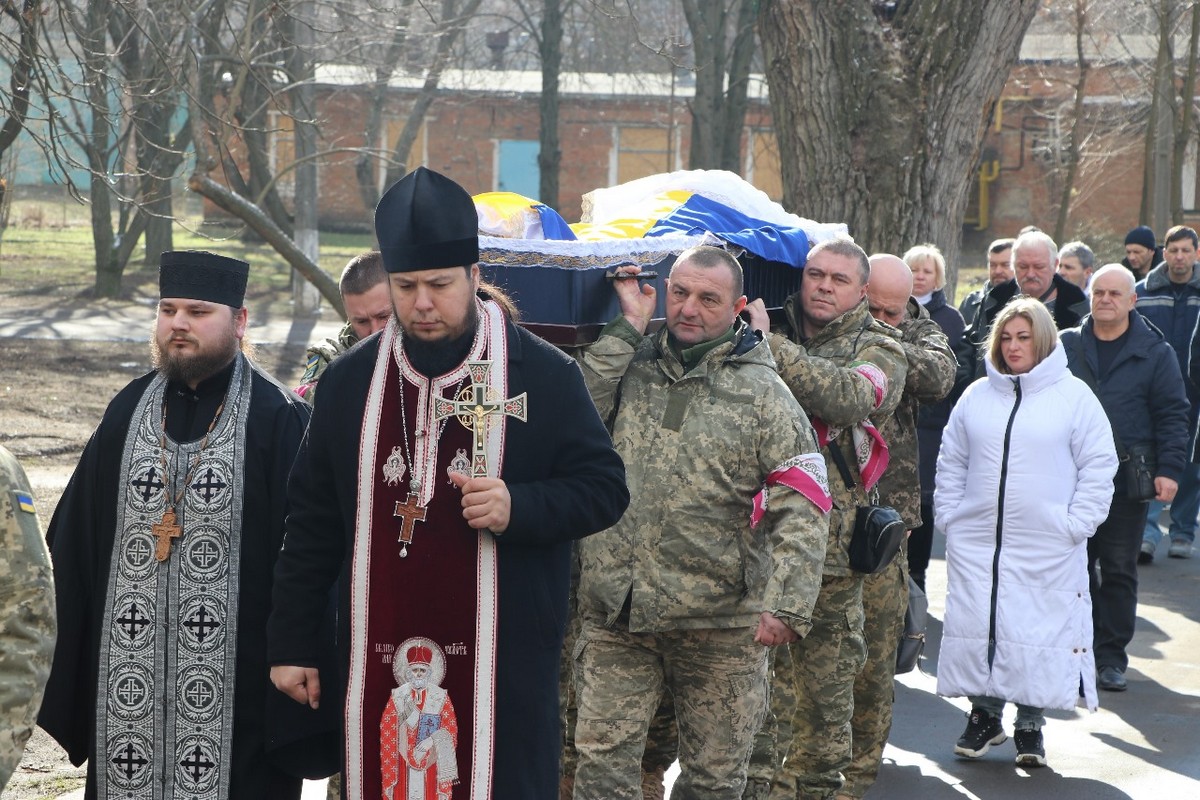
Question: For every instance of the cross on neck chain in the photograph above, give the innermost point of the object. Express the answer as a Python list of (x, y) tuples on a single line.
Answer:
[(169, 529), (410, 512)]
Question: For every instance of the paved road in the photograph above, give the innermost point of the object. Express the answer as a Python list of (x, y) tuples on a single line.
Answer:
[(123, 321), (1143, 744)]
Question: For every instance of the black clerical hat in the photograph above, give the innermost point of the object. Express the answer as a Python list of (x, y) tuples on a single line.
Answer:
[(426, 221), (200, 275)]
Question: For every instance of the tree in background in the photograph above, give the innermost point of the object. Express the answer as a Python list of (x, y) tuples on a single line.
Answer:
[(723, 47), (880, 109)]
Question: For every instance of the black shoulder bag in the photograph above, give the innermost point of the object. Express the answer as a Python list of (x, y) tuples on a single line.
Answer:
[(878, 530)]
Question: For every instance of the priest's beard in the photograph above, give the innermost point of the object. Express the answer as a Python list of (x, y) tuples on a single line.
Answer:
[(432, 359), (190, 368)]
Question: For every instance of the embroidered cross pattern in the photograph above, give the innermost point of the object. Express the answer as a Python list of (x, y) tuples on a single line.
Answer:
[(209, 485), (199, 693), (197, 763), (133, 621), (166, 530), (131, 691), (129, 760), (148, 483), (474, 408), (201, 623), (410, 513)]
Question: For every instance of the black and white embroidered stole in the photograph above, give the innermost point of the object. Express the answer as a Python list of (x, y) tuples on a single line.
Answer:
[(164, 704)]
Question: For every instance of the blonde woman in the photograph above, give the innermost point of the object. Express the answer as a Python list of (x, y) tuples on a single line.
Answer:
[(927, 262), (1025, 477)]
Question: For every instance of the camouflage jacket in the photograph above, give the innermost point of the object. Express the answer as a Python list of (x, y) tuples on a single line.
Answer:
[(824, 375), (319, 357), (27, 626), (931, 368), (698, 447)]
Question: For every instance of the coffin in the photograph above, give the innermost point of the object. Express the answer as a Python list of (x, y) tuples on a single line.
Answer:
[(564, 296)]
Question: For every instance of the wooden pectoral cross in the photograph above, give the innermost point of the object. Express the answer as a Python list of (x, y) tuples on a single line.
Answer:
[(474, 408), (166, 530), (410, 514)]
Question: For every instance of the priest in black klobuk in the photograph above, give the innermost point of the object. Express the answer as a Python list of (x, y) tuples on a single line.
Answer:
[(163, 546), (451, 460)]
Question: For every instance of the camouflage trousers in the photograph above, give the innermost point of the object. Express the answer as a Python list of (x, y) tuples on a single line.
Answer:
[(718, 679), (773, 739), (662, 739), (885, 599), (825, 664)]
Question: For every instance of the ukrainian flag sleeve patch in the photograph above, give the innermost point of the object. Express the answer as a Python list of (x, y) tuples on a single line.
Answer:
[(24, 501)]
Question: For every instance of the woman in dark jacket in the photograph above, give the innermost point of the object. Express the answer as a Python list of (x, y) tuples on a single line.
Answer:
[(929, 276)]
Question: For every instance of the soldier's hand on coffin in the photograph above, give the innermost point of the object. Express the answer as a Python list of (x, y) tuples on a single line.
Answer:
[(486, 502), (637, 299), (302, 684), (756, 312), (773, 631)]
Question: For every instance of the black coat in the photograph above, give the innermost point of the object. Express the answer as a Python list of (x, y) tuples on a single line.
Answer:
[(566, 481), (1070, 306), (931, 419), (1143, 393)]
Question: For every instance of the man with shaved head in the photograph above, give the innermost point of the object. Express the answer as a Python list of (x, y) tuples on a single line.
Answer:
[(1133, 371), (931, 367)]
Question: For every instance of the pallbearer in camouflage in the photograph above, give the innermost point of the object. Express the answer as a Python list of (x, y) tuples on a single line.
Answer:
[(26, 614), (719, 554), (368, 305), (848, 373), (931, 368)]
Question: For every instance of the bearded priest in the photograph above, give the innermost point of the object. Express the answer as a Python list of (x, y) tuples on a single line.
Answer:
[(451, 460), (163, 546)]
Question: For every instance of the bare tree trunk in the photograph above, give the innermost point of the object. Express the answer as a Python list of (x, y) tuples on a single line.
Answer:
[(27, 46), (706, 21), (454, 22), (549, 153), (1185, 134), (1163, 71), (368, 161), (305, 297), (93, 40), (733, 118), (881, 110), (1068, 189)]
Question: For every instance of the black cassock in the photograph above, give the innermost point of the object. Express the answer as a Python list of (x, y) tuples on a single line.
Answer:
[(566, 481), (81, 537)]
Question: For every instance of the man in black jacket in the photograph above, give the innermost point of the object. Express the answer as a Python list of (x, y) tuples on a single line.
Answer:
[(1133, 371), (1034, 259)]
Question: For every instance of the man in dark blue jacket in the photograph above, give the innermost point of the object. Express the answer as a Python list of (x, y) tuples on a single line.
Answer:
[(1169, 298), (1134, 373)]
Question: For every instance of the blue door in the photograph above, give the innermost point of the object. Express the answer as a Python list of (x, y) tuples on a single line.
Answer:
[(518, 171)]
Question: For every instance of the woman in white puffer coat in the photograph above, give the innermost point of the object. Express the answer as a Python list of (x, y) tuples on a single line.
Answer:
[(1024, 477)]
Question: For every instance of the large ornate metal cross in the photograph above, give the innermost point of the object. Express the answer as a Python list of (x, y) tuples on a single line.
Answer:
[(474, 407)]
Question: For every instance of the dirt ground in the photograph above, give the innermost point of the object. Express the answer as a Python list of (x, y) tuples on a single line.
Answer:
[(52, 395)]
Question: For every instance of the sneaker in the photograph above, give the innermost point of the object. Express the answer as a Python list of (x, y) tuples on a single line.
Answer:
[(1030, 751), (1147, 553), (1111, 679), (1180, 548), (983, 731)]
